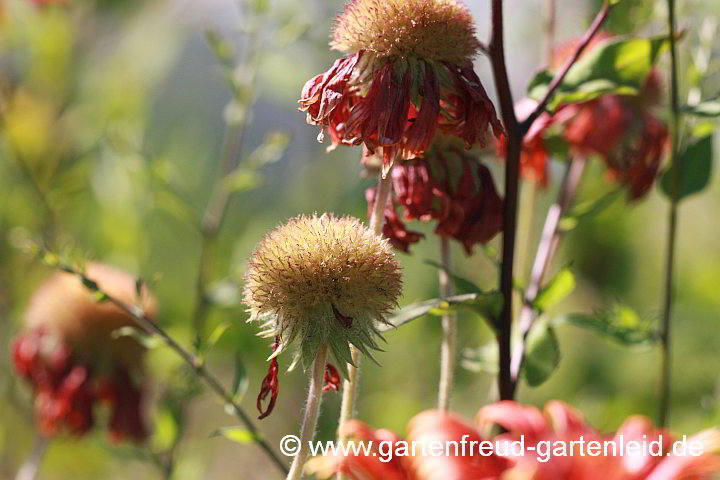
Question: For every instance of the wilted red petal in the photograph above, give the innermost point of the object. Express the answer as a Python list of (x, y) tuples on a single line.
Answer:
[(270, 385)]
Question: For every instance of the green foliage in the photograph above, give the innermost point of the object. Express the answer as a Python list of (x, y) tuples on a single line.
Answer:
[(559, 287), (620, 323), (482, 359), (542, 355), (617, 67), (707, 109), (236, 434), (690, 173)]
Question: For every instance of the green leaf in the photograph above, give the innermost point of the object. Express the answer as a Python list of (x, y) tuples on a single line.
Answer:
[(486, 305), (707, 109), (692, 166), (146, 340), (271, 150), (462, 285), (588, 209), (618, 67), (217, 334), (242, 180), (559, 287), (236, 434), (482, 359), (240, 381), (620, 323), (542, 354), (165, 431)]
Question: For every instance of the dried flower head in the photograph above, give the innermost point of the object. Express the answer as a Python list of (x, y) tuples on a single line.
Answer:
[(322, 280), (72, 360), (409, 74), (449, 185), (439, 30)]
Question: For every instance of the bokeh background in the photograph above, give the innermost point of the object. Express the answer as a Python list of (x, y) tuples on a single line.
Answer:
[(113, 116)]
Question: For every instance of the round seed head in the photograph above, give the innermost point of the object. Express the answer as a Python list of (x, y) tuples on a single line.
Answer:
[(65, 308), (440, 30), (324, 280)]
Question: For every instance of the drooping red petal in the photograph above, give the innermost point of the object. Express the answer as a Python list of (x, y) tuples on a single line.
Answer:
[(270, 386)]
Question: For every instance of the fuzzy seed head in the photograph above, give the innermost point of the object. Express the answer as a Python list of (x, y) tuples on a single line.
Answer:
[(440, 30), (66, 309), (325, 280)]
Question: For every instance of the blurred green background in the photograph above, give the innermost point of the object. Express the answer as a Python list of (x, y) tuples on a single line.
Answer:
[(113, 116)]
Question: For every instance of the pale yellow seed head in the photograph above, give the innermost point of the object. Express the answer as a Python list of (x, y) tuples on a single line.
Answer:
[(307, 277), (439, 30)]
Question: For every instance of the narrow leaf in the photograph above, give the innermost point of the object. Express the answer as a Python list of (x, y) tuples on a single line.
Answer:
[(482, 359), (621, 324), (707, 109), (462, 285), (240, 381), (146, 340)]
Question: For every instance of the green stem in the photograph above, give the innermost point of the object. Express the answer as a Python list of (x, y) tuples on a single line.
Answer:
[(312, 410), (449, 324), (665, 339)]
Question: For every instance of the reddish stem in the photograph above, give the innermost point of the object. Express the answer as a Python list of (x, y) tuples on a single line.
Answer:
[(557, 81)]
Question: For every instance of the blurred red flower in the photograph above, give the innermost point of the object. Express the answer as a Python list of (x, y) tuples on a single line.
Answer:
[(622, 130), (557, 423), (70, 357)]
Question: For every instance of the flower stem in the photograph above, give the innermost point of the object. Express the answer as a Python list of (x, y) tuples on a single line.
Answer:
[(496, 50), (549, 242), (449, 325), (312, 409), (377, 221), (665, 340), (29, 469)]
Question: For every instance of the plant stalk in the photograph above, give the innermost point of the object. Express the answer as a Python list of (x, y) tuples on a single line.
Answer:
[(448, 350), (29, 469), (549, 242), (312, 410), (665, 338)]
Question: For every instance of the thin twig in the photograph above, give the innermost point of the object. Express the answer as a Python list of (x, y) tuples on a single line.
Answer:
[(557, 81), (512, 164), (549, 243), (449, 326), (665, 363), (195, 362)]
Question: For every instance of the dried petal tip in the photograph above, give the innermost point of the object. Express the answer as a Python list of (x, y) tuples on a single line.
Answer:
[(440, 30), (325, 281)]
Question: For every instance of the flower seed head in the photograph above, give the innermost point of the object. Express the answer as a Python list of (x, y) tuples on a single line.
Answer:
[(324, 280), (64, 308), (440, 30)]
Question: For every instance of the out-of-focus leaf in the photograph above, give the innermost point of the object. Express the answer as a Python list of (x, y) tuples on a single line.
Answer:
[(165, 430), (270, 151), (462, 285), (236, 434), (243, 180), (621, 323), (482, 359), (559, 287), (707, 109), (617, 67), (146, 340), (220, 47), (542, 353), (217, 334), (693, 167), (240, 381), (588, 209)]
